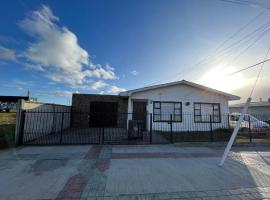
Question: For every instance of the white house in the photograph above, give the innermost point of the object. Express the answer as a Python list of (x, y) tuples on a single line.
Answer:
[(188, 104)]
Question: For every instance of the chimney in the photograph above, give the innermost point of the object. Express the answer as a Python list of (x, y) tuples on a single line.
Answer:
[(268, 100), (260, 99)]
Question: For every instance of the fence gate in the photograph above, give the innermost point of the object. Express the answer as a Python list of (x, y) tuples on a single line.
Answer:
[(59, 128)]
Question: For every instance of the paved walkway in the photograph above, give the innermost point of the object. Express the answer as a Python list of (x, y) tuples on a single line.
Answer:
[(133, 172)]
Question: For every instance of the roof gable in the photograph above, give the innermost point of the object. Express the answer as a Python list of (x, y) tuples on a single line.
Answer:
[(183, 82)]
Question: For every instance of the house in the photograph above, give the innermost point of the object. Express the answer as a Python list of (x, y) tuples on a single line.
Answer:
[(188, 105), (10, 102), (260, 109)]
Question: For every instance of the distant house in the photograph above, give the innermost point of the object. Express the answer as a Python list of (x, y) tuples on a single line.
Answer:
[(187, 104), (261, 108), (10, 102)]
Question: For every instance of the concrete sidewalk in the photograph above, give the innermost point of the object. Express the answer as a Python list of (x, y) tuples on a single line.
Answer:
[(133, 172)]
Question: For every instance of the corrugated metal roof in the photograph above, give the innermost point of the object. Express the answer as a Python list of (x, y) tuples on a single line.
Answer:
[(252, 104), (12, 98)]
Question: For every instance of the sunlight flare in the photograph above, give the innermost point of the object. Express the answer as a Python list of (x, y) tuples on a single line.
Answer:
[(218, 78)]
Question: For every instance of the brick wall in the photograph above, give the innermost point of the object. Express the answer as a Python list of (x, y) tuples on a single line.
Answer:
[(81, 108)]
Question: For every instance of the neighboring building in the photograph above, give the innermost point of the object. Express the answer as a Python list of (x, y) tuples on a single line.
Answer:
[(10, 102), (189, 104), (261, 108)]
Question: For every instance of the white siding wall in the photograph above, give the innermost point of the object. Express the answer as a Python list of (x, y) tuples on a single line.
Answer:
[(182, 93)]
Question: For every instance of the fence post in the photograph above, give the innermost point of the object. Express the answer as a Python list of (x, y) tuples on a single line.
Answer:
[(102, 141), (151, 119), (249, 129), (61, 131), (171, 121), (21, 129), (228, 120), (211, 130)]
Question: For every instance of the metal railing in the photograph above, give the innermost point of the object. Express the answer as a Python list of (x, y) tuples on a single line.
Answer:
[(45, 128)]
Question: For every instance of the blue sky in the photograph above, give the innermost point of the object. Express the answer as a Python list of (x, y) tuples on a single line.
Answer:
[(56, 48)]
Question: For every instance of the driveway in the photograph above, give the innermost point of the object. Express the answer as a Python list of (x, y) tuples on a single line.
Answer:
[(133, 172)]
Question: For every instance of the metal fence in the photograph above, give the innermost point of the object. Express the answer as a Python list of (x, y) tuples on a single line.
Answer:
[(45, 128)]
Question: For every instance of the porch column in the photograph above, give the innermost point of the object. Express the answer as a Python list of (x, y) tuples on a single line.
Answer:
[(130, 110)]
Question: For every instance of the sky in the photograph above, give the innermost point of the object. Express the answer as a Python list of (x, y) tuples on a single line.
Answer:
[(56, 48)]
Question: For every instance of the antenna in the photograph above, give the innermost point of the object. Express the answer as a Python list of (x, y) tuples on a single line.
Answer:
[(28, 93)]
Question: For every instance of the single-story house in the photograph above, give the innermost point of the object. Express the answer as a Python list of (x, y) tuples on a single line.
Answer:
[(260, 109), (188, 105), (10, 102)]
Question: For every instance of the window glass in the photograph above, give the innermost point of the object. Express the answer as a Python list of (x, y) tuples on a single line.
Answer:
[(216, 106), (203, 111), (157, 117), (197, 106), (197, 112), (156, 111), (164, 110), (177, 105), (177, 117), (206, 109), (167, 108), (156, 105), (177, 112), (197, 118)]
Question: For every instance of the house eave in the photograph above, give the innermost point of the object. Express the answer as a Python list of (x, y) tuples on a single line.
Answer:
[(230, 97)]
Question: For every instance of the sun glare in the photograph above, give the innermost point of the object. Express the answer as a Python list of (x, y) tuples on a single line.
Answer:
[(218, 78)]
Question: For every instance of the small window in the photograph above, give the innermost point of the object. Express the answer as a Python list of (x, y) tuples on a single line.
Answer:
[(203, 111), (162, 111)]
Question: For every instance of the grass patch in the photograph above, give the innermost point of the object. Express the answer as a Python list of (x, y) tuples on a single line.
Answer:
[(7, 129), (7, 118), (219, 135)]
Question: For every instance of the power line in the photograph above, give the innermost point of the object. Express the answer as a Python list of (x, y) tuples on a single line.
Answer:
[(222, 44), (187, 94), (248, 3), (248, 47), (241, 29), (246, 68), (259, 73), (249, 35), (257, 38), (238, 71)]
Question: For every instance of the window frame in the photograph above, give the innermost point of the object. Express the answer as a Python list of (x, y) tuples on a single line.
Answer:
[(174, 111), (200, 111)]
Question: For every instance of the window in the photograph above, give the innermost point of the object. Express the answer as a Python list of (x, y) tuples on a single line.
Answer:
[(163, 110), (202, 112)]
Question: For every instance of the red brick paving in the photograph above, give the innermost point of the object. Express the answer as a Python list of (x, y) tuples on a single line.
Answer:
[(164, 155), (103, 164), (73, 188), (93, 153)]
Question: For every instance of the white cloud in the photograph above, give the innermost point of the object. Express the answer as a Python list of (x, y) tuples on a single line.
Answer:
[(98, 85), (134, 72), (37, 67), (56, 50), (7, 54), (114, 89)]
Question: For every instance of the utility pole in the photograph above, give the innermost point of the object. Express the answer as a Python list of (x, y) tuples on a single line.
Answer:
[(235, 131)]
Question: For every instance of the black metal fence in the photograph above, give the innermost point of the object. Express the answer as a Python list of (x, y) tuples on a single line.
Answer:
[(45, 128)]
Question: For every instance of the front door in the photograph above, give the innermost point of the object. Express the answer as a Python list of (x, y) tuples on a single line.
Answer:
[(139, 112)]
